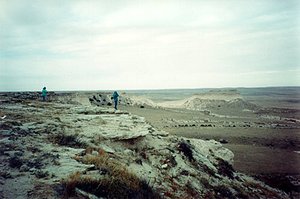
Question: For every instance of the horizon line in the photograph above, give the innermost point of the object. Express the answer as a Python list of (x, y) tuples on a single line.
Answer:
[(153, 89)]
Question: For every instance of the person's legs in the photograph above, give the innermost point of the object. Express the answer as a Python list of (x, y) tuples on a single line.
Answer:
[(44, 98), (116, 104)]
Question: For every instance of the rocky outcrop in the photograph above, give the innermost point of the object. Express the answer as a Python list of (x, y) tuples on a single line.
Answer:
[(106, 123), (198, 103), (105, 99), (58, 149)]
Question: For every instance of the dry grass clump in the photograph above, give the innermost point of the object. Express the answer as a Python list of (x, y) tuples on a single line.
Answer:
[(114, 168), (225, 169), (117, 182), (67, 140)]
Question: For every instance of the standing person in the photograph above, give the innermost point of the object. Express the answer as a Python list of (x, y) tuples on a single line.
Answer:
[(116, 96), (44, 94)]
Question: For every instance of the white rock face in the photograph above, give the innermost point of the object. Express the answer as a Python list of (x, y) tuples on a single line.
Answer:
[(213, 147), (104, 99), (94, 122)]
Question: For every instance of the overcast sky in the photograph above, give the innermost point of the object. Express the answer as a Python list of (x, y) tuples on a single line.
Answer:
[(83, 45)]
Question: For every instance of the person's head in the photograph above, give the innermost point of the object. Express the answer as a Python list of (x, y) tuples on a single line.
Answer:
[(44, 88)]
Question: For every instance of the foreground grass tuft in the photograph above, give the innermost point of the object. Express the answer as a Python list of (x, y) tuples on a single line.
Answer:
[(117, 181)]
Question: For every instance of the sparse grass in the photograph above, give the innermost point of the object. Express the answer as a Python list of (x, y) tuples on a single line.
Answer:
[(42, 189), (241, 193), (67, 140), (223, 192), (118, 182), (115, 169), (224, 168), (207, 170), (191, 191), (256, 186), (205, 183)]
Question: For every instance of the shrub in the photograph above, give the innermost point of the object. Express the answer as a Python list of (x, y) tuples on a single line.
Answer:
[(15, 162), (117, 181), (67, 140), (225, 169), (185, 148)]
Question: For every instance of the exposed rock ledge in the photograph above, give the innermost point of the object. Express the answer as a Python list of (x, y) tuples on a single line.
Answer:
[(43, 143)]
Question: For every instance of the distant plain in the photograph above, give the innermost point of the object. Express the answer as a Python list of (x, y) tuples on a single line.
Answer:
[(265, 141)]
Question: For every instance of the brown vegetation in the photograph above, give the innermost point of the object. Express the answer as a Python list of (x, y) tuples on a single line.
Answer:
[(67, 140), (116, 181)]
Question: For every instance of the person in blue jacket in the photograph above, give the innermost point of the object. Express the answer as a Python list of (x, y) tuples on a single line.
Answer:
[(115, 97), (44, 94)]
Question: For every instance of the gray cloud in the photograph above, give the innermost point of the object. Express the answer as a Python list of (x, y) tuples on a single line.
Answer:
[(85, 44)]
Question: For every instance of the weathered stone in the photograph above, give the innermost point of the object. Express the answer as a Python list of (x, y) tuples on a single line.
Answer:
[(164, 166), (85, 194), (223, 141), (24, 168)]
